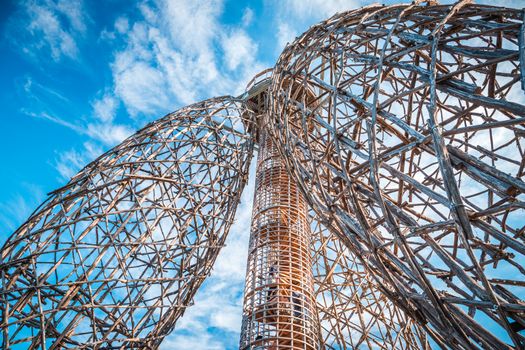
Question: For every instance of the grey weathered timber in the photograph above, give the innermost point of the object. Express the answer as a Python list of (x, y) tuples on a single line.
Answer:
[(389, 211), (404, 128)]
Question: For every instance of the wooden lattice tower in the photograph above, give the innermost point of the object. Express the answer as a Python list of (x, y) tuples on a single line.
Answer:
[(279, 307), (388, 211)]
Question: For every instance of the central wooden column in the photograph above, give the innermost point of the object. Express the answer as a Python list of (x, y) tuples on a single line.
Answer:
[(279, 308)]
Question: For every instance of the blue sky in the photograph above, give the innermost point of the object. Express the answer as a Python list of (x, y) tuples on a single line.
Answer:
[(80, 76)]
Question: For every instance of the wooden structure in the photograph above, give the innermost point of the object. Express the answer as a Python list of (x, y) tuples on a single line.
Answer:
[(414, 154), (112, 259), (353, 313), (401, 128), (279, 307)]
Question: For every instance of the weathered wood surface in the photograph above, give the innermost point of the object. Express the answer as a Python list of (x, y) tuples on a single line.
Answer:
[(354, 312), (403, 127), (112, 259), (411, 146)]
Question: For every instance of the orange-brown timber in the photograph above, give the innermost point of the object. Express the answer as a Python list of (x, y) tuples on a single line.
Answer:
[(278, 304)]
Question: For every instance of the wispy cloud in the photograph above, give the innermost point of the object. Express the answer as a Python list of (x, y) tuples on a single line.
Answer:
[(285, 34), (30, 86), (174, 56), (99, 125), (247, 17), (238, 50), (104, 131), (17, 208), (102, 126), (70, 162), (50, 27), (105, 107)]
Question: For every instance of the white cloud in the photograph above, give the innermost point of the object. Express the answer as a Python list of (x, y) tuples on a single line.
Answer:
[(141, 87), (74, 11), (55, 120), (100, 126), (229, 317), (59, 41), (192, 24), (174, 56), (51, 25), (104, 109), (35, 90), (70, 162), (231, 264), (108, 133), (247, 17), (238, 49), (122, 25), (16, 210), (285, 35), (192, 342)]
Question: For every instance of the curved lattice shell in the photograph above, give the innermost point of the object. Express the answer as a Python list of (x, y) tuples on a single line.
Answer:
[(113, 258), (353, 313), (404, 126)]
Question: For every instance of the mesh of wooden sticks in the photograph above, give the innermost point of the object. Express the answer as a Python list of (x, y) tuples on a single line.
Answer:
[(112, 259), (352, 310), (404, 127), (328, 300)]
